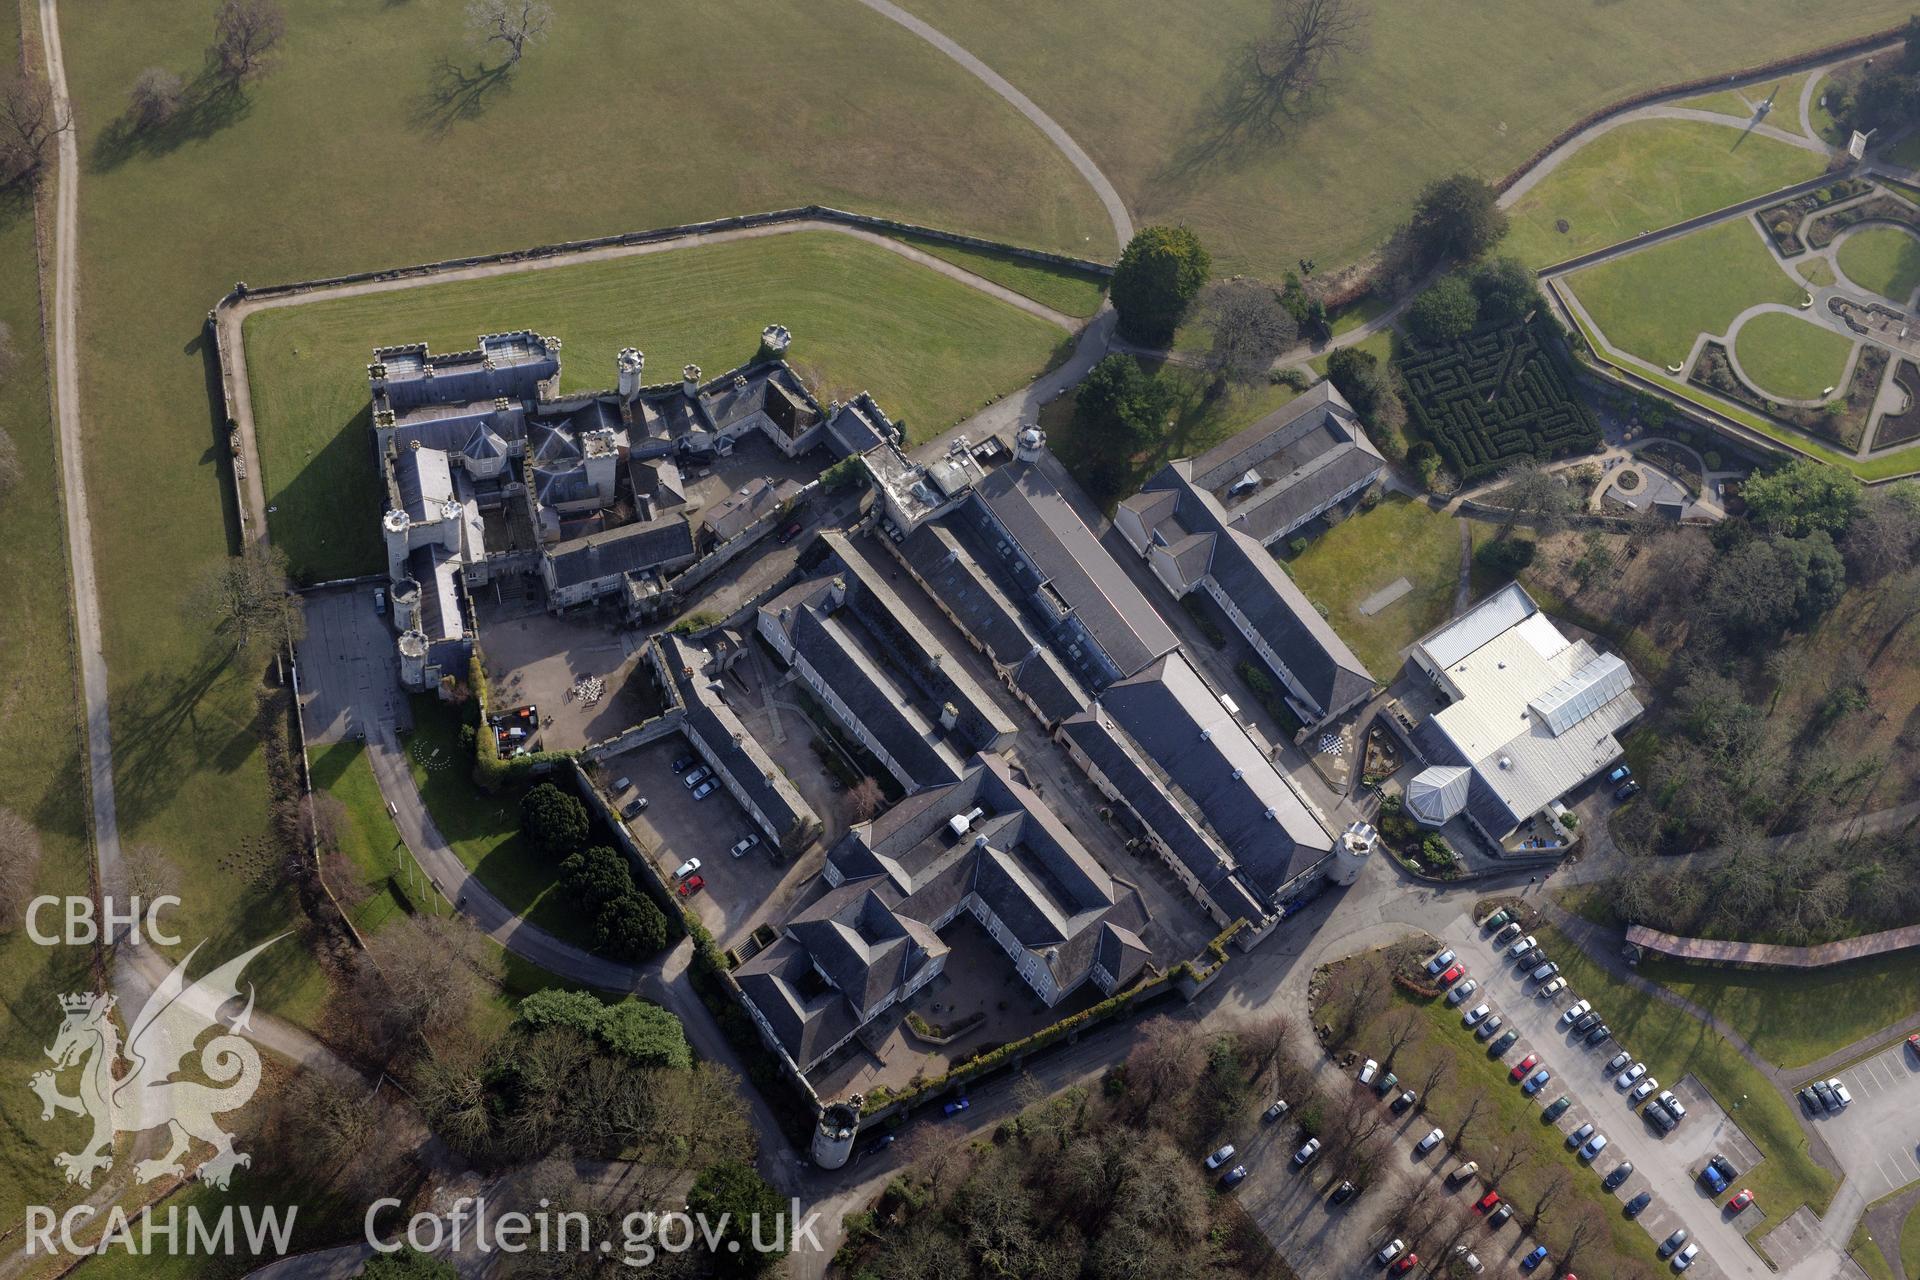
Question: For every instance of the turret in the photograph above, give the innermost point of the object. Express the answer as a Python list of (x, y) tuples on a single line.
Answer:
[(1029, 445), (774, 341), (833, 1136), (631, 363), (690, 380), (413, 660)]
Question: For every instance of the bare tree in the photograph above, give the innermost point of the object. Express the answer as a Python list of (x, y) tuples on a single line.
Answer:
[(248, 599), (1587, 1226), (30, 120), (1503, 1155), (1167, 1058), (1249, 327), (1551, 1190), (1401, 1028), (1263, 1044), (156, 97), (514, 25), (1304, 41), (19, 865), (1437, 1072), (245, 35), (864, 799), (148, 873), (1530, 490), (1461, 1127), (1357, 990), (1413, 1210), (1456, 1220)]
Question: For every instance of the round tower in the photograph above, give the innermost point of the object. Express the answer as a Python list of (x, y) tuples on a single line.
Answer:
[(413, 660), (1356, 842), (631, 363), (775, 339), (450, 525), (690, 380), (1029, 445), (393, 528), (405, 594), (833, 1137)]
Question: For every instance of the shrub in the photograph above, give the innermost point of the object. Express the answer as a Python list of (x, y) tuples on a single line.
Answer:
[(732, 1195), (595, 876), (629, 928), (558, 1007), (554, 821), (1506, 289), (1297, 546), (1447, 311), (1457, 218), (1505, 556), (646, 1034), (1160, 272), (1493, 399)]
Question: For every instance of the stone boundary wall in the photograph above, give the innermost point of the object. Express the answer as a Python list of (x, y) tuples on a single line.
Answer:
[(1773, 955), (729, 551)]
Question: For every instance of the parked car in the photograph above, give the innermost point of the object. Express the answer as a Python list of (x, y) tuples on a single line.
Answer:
[(1810, 1100), (697, 777), (1642, 1089), (692, 885), (1626, 1078), (1534, 1259), (1579, 1136), (1523, 946), (1715, 1180), (955, 1107), (1389, 1251), (1671, 1105), (788, 534), (1544, 972), (1556, 1109), (1503, 1044), (1824, 1092), (1913, 1043), (1466, 1257), (1525, 1065), (1537, 956), (1405, 1265), (1740, 1202), (1307, 1152), (705, 789), (1488, 1027), (1599, 1035), (635, 807), (1486, 1203), (1386, 1084), (1461, 992), (1585, 1023), (1344, 1192), (1618, 1061), (380, 601), (1498, 920), (1620, 1174), (1465, 1171), (620, 785), (1220, 1157), (1367, 1070), (1626, 791), (1404, 1101), (1473, 1015), (1233, 1177), (1536, 1082), (682, 763), (1440, 961), (1620, 775), (1595, 1145), (1508, 932), (879, 1144), (1428, 1143), (1552, 989), (1576, 1011), (1684, 1259), (686, 868), (1636, 1206), (1671, 1245), (1274, 1112), (743, 844), (1841, 1097), (1498, 1218), (1723, 1166), (1453, 975)]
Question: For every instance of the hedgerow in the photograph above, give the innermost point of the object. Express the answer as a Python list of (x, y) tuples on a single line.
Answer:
[(1494, 398)]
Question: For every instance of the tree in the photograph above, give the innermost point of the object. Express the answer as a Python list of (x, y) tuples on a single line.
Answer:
[(1767, 585), (1457, 218), (1356, 991), (1505, 557), (1551, 1190), (1506, 288), (1885, 533), (1803, 497), (646, 1034), (155, 98), (248, 599), (1263, 1044), (1502, 1156), (1527, 489), (1401, 1028), (864, 800), (1437, 1072), (1444, 312), (554, 821), (629, 928), (1586, 1227), (29, 122), (559, 1007), (1159, 274), (430, 970), (1249, 327), (1166, 1059), (1360, 378), (1289, 64), (514, 25), (1118, 409), (729, 1192), (245, 35), (1464, 1124), (596, 875), (19, 865)]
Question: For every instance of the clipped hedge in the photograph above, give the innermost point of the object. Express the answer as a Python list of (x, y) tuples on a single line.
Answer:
[(1496, 397)]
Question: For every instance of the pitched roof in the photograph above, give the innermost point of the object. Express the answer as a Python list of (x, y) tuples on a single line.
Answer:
[(1318, 659), (630, 548), (1271, 476), (733, 748)]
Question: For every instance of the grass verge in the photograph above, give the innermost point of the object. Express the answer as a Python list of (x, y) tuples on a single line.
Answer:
[(1073, 293)]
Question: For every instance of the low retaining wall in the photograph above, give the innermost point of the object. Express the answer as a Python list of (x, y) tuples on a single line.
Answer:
[(1769, 955)]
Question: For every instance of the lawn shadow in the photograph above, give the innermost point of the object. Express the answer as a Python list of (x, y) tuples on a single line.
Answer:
[(219, 452), (210, 105), (455, 93), (1242, 118), (16, 203), (156, 725), (326, 513)]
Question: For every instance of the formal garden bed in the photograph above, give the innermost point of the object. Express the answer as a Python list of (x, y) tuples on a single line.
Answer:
[(1496, 397), (1782, 221), (1903, 427), (1676, 462), (1842, 421), (1823, 231)]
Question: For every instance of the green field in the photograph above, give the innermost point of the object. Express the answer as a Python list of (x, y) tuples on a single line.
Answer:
[(1672, 1045), (1910, 1242), (930, 348), (1478, 87), (1817, 272), (1654, 303), (1071, 293), (1883, 259), (381, 869), (1646, 175), (1790, 358), (1400, 538)]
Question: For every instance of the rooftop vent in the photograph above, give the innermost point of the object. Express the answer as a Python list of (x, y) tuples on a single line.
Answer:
[(1245, 484), (1206, 735), (1270, 815), (1506, 762), (1239, 774), (960, 822)]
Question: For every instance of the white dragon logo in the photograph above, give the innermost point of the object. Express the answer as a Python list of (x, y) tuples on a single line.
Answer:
[(146, 1097)]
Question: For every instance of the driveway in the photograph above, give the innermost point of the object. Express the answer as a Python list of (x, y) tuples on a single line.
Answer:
[(349, 672), (1873, 1139)]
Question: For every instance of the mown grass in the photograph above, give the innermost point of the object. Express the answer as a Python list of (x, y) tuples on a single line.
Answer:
[(1883, 259), (1477, 88), (931, 349), (1399, 538), (1654, 303), (1674, 1045), (1910, 1242), (1644, 176), (1790, 358), (1073, 293)]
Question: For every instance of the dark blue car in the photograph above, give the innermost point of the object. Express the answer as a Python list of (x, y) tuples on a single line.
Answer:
[(958, 1105), (1534, 1259), (1233, 1177)]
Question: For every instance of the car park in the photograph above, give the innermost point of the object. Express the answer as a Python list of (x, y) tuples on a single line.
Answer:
[(1233, 1177), (1620, 1174), (1672, 1243), (1618, 1061), (1487, 1028), (1552, 989), (1641, 1090), (705, 789), (1220, 1157), (1389, 1251), (1428, 1143), (1344, 1192), (1579, 1136), (1638, 1205), (1534, 1259), (1544, 972), (1556, 1109), (1473, 1015), (1367, 1070), (1503, 1044), (1278, 1109), (1576, 1011), (1536, 1082), (1440, 961), (1461, 992), (697, 777), (1452, 975), (744, 843), (1523, 946), (692, 885), (1625, 1079), (1598, 1035), (686, 868), (1525, 1065), (1740, 1202), (1308, 1150), (1671, 1105), (1404, 1101), (1684, 1259), (1595, 1145), (1486, 1203), (1498, 1218)]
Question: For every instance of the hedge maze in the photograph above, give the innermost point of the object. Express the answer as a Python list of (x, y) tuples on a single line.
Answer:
[(1494, 398)]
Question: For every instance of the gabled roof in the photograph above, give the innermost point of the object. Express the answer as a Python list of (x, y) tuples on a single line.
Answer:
[(630, 548), (1271, 476), (1315, 655)]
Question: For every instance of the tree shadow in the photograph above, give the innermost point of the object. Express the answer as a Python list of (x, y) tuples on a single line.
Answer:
[(1243, 118), (16, 203), (157, 724), (211, 104), (455, 93)]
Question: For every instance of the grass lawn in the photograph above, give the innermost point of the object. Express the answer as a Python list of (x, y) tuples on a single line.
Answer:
[(1072, 293), (1400, 538), (1674, 1045), (1379, 344), (1905, 153), (1865, 1252), (1476, 88), (931, 349), (1728, 102), (1817, 272), (381, 879), (1647, 175), (1910, 1243), (1198, 423), (484, 830), (1349, 318), (1653, 304), (1791, 358), (1883, 259), (1822, 119)]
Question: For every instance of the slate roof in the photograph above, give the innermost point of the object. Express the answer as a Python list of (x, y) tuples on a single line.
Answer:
[(734, 749), (1290, 462), (1283, 616), (424, 480), (631, 548), (873, 698), (1066, 555)]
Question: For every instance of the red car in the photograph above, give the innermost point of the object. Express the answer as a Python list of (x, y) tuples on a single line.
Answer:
[(1487, 1201), (692, 885), (1451, 976), (1913, 1043), (1405, 1265), (1740, 1201), (1527, 1064)]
